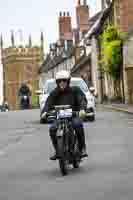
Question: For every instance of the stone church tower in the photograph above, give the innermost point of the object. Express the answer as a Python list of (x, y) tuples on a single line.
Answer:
[(20, 65)]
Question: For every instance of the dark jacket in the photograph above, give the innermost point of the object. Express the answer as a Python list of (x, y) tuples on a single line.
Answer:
[(71, 96), (24, 90)]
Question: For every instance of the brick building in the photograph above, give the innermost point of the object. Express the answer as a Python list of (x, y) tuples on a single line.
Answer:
[(20, 65), (123, 14), (123, 18)]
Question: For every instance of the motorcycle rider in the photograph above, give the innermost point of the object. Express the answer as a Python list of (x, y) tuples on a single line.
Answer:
[(24, 94), (63, 94)]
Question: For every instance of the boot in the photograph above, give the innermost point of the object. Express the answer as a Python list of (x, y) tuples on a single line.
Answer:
[(83, 153), (81, 143), (53, 157)]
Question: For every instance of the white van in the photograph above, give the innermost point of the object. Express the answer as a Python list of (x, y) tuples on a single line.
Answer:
[(79, 82)]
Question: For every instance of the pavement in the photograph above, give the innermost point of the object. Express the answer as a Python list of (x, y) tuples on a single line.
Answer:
[(127, 108)]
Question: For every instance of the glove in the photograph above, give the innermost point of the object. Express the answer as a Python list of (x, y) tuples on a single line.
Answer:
[(82, 114), (43, 115)]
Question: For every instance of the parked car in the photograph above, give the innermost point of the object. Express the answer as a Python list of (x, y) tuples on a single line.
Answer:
[(79, 82)]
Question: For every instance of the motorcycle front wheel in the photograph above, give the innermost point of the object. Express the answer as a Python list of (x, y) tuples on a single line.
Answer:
[(62, 159)]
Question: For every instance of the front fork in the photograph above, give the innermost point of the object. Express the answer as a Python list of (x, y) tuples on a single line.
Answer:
[(65, 133)]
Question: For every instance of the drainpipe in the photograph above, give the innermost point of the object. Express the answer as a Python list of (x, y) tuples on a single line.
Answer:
[(100, 72), (122, 74)]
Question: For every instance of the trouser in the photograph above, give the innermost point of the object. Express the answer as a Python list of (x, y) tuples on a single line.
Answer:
[(79, 130)]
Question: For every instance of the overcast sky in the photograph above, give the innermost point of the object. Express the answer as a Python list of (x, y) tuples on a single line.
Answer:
[(33, 16)]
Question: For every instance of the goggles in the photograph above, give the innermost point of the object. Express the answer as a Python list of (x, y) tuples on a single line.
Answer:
[(61, 80)]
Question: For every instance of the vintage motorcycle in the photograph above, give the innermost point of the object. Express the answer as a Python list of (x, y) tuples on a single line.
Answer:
[(67, 143), (25, 102)]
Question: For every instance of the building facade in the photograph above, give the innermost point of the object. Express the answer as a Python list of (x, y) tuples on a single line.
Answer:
[(20, 65), (123, 18)]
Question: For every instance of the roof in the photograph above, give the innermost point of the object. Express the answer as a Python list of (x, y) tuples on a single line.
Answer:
[(80, 63), (51, 63), (96, 28), (100, 22), (94, 18)]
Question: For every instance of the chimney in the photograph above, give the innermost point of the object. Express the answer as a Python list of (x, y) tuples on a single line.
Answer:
[(65, 26), (79, 3), (82, 15)]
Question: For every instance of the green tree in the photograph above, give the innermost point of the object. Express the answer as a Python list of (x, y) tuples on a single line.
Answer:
[(112, 41), (112, 52)]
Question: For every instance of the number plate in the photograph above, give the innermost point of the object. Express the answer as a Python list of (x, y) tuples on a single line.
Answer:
[(65, 113)]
